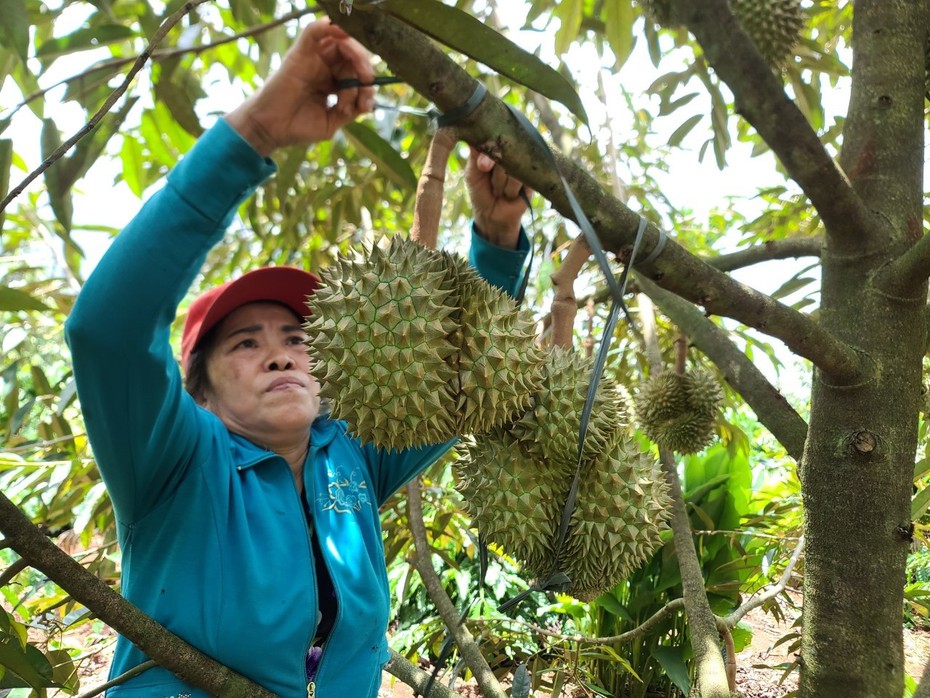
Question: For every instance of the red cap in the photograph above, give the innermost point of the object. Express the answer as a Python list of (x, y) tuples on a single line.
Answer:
[(286, 285)]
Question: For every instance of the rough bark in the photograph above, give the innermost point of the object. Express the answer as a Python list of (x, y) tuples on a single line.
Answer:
[(858, 461)]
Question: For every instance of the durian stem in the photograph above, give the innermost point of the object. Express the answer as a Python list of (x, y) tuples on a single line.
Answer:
[(428, 206), (681, 353), (488, 684), (564, 305), (589, 326)]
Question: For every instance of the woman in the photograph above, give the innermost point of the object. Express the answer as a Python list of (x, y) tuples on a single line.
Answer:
[(248, 522)]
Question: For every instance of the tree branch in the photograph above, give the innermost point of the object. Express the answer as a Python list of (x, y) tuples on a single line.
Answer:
[(163, 30), (731, 620), (492, 128), (471, 653), (10, 572), (628, 636), (413, 676), (122, 678), (761, 100), (770, 406), (188, 663), (162, 54), (908, 272), (788, 248)]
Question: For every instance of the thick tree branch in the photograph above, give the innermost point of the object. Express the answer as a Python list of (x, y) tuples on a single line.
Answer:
[(471, 653), (761, 100), (170, 651), (770, 406), (492, 127), (907, 272)]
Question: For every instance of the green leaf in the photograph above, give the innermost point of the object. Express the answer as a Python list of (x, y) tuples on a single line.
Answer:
[(610, 604), (464, 33), (921, 468), (618, 27), (26, 666), (83, 39), (683, 130), (133, 172), (742, 636), (521, 682), (14, 29), (59, 191), (920, 503), (382, 154), (570, 14), (673, 662)]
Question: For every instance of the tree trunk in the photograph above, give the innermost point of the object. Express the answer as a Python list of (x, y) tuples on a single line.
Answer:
[(857, 468)]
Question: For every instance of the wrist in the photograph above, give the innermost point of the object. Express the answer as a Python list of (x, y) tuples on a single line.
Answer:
[(504, 235), (252, 131)]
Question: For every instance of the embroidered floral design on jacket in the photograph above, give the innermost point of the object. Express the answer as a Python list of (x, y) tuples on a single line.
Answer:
[(345, 494)]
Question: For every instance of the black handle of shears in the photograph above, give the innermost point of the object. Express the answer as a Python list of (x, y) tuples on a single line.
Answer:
[(351, 83)]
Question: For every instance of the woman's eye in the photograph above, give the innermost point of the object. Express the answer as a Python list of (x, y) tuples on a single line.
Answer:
[(246, 344), (296, 339)]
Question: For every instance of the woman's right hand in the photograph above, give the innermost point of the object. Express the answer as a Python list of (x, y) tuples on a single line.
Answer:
[(293, 107)]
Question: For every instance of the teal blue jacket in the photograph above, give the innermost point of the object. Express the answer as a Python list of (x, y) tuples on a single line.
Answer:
[(215, 544)]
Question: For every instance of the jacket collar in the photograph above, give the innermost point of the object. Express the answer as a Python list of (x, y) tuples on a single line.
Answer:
[(246, 454)]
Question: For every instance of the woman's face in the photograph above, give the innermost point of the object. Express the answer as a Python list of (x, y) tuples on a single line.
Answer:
[(259, 374)]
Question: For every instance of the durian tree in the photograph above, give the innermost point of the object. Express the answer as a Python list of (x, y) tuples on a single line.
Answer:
[(851, 198)]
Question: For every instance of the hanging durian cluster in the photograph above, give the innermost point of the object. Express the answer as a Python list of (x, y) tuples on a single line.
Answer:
[(679, 411), (774, 25), (515, 482), (412, 347)]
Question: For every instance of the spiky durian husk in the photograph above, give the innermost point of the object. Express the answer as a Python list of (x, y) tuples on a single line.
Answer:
[(549, 429), (514, 500), (413, 347), (499, 366), (774, 25), (679, 411), (621, 511), (379, 336)]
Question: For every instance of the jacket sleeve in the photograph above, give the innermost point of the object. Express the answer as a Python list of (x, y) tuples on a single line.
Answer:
[(142, 424), (500, 267)]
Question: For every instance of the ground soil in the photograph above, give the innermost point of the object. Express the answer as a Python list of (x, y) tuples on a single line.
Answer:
[(760, 672)]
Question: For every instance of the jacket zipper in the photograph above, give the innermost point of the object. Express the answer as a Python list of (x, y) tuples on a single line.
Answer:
[(311, 686)]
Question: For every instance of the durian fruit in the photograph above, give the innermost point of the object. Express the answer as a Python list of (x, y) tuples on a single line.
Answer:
[(773, 25), (623, 507), (499, 367), (413, 347), (514, 500), (380, 338), (549, 429), (678, 411)]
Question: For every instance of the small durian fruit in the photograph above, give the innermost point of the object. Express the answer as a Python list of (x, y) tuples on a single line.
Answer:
[(549, 429), (499, 366), (623, 507), (379, 338), (679, 411), (515, 500), (774, 26)]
